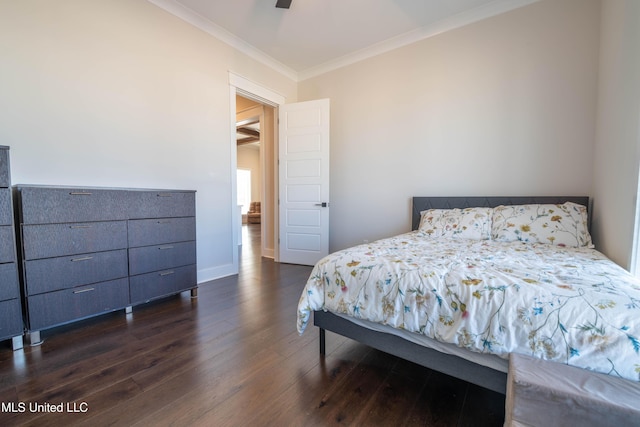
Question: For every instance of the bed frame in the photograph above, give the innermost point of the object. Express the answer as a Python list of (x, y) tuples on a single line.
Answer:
[(448, 364)]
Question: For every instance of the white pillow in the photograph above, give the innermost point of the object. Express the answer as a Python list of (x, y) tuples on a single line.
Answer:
[(560, 225), (468, 223)]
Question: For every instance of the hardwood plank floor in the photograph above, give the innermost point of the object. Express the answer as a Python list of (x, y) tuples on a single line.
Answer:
[(231, 357)]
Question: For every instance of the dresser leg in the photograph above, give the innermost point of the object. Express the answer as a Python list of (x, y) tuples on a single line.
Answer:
[(194, 293), (128, 310), (17, 343), (34, 338)]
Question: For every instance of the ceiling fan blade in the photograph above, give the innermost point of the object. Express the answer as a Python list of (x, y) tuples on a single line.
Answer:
[(284, 4)]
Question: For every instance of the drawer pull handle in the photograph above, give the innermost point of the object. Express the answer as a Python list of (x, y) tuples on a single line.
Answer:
[(164, 248), (84, 258), (167, 273), (81, 291), (80, 193), (79, 226), (165, 195), (164, 222)]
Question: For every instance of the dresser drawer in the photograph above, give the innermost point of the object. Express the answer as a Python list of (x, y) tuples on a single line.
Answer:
[(7, 250), (146, 232), (4, 168), (148, 286), (41, 205), (6, 212), (54, 308), (161, 257), (52, 274), (161, 204), (10, 319), (9, 281), (52, 240)]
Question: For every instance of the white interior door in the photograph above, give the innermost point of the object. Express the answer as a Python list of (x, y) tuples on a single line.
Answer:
[(304, 181)]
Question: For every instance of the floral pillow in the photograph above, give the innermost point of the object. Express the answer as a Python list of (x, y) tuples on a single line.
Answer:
[(468, 223), (560, 225)]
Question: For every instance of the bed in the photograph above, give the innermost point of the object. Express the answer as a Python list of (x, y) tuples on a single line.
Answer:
[(479, 278)]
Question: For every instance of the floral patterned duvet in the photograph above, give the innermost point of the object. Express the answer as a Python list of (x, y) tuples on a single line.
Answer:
[(569, 305)]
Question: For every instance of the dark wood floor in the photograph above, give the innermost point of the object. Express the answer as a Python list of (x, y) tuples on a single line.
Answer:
[(231, 357)]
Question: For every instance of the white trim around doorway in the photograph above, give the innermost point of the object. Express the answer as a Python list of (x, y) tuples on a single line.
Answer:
[(239, 85)]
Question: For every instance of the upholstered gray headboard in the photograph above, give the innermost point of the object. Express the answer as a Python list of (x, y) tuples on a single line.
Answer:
[(423, 203)]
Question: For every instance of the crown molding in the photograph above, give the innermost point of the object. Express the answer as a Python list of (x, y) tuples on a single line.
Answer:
[(204, 24), (488, 10)]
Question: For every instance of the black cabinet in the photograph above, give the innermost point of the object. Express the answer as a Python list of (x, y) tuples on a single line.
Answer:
[(88, 251), (11, 324)]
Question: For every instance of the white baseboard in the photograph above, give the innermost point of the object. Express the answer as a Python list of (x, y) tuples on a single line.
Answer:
[(214, 273)]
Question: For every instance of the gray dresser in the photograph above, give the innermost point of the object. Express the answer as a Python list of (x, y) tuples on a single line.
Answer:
[(88, 251), (162, 244), (11, 325)]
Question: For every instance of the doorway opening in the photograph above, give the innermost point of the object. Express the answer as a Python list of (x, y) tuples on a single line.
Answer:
[(270, 101), (255, 154)]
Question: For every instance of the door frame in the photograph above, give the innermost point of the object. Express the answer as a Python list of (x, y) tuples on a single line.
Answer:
[(239, 85)]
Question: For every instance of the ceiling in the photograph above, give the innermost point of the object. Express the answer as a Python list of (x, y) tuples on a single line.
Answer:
[(248, 133), (316, 36)]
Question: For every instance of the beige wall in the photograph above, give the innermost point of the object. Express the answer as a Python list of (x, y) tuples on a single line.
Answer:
[(121, 93), (505, 106), (618, 133)]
